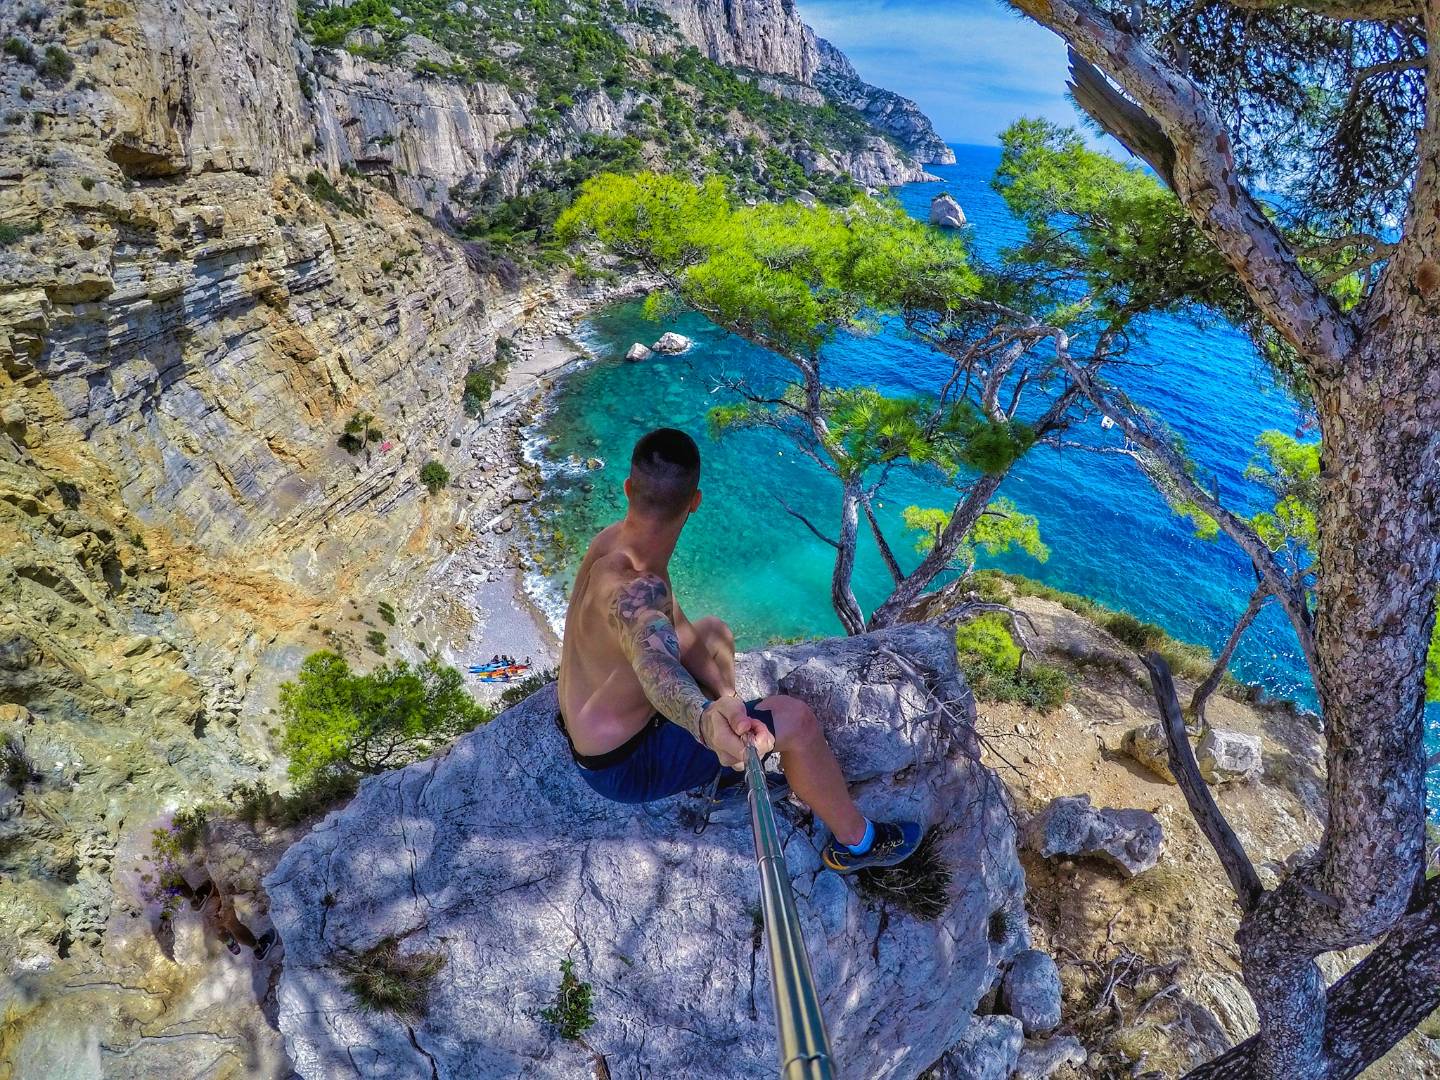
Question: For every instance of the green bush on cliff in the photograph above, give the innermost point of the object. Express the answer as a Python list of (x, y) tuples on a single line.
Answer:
[(995, 668), (434, 476), (339, 722), (56, 65)]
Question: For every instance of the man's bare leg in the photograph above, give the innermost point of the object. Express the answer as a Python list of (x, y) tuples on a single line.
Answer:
[(710, 655), (805, 756), (810, 766)]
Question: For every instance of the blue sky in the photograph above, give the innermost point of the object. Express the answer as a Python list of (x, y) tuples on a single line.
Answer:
[(973, 65)]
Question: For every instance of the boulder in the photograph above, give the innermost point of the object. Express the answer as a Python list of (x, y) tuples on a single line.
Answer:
[(638, 352), (1228, 755), (1031, 992), (364, 39), (1129, 839), (1148, 746), (497, 856), (989, 1051), (672, 344), (946, 212), (1041, 1057), (807, 199)]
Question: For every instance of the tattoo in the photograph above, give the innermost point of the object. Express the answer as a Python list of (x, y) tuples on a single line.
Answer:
[(647, 634)]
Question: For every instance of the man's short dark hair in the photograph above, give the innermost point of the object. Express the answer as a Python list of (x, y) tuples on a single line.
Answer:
[(664, 473)]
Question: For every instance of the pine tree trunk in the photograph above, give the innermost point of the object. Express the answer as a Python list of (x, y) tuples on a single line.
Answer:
[(842, 594), (1380, 421)]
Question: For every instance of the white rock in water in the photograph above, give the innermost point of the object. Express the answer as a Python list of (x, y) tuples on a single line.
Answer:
[(638, 352), (500, 857), (945, 212), (671, 344)]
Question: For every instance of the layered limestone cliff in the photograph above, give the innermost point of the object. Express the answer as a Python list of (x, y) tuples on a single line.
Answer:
[(218, 246)]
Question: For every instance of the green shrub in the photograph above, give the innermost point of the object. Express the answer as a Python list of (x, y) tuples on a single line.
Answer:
[(518, 692), (387, 612), (9, 234), (336, 720), (254, 803), (434, 476), (376, 640), (88, 183), (27, 93), (322, 190), (188, 827), (572, 1012), (20, 49), (481, 382), (56, 65), (385, 980), (360, 432), (994, 667), (988, 638), (1130, 631)]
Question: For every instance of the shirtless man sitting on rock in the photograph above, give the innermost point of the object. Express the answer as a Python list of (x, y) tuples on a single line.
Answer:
[(647, 698)]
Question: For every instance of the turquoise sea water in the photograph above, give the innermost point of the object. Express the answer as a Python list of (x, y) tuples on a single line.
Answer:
[(1111, 537)]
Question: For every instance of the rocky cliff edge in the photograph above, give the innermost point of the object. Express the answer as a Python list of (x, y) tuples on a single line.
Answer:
[(500, 859)]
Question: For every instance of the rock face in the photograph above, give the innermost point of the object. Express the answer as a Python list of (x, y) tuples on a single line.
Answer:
[(1148, 746), (990, 1050), (1131, 840), (672, 344), (1031, 992), (637, 352), (499, 856), (888, 112), (945, 212)]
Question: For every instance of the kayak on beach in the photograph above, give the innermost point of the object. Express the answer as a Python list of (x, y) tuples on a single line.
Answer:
[(499, 672)]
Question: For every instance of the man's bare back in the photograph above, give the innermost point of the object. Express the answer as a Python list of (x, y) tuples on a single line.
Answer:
[(600, 695), (648, 699)]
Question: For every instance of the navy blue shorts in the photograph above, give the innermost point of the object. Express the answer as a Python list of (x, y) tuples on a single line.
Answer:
[(663, 759)]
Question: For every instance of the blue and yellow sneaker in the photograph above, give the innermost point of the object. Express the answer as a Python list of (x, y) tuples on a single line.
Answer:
[(895, 841)]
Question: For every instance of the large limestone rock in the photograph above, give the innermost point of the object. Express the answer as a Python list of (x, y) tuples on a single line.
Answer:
[(1148, 747), (1229, 755), (945, 212), (498, 856), (672, 344), (1031, 992), (1130, 840)]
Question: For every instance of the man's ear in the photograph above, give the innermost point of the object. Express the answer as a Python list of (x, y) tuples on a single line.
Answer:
[(695, 502), (627, 489)]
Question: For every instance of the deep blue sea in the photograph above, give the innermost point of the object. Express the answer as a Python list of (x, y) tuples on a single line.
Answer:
[(1111, 537)]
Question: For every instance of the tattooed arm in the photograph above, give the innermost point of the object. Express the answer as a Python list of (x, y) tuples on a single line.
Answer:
[(647, 635)]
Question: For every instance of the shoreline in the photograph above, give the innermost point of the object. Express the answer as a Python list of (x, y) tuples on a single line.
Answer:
[(482, 582)]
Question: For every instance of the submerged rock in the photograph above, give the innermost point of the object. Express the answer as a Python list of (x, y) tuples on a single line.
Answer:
[(638, 352), (1129, 839), (945, 212), (672, 344), (500, 858)]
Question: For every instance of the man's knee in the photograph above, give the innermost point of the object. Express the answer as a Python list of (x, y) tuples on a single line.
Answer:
[(715, 632), (795, 722)]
